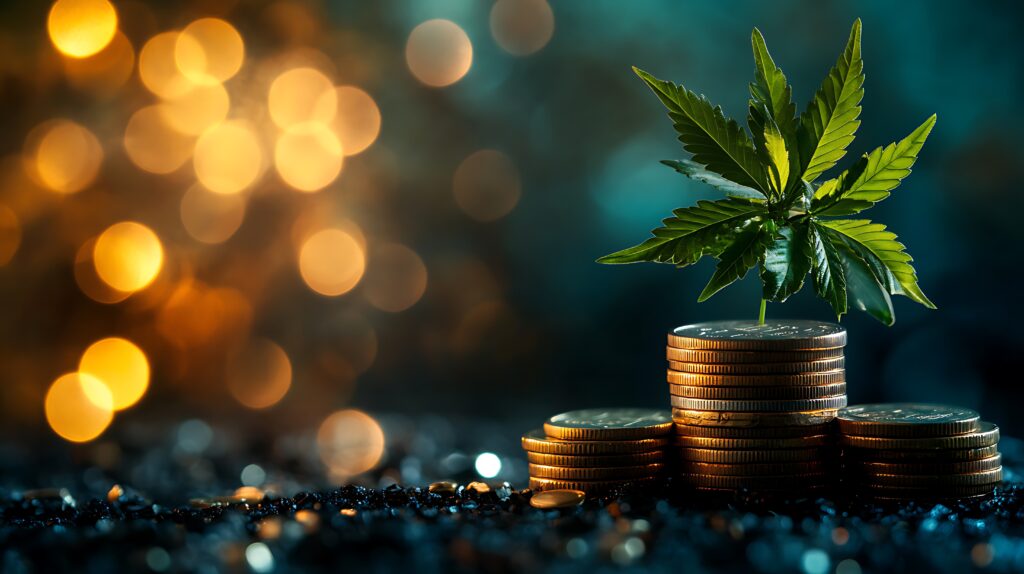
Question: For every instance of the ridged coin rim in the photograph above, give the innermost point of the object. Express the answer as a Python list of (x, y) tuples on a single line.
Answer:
[(736, 419), (871, 468), (723, 356), (760, 406), (756, 469), (750, 456), (562, 429), (759, 368), (993, 476), (589, 486), (757, 432), (595, 473), (769, 380), (537, 441), (754, 443), (851, 421), (986, 435), (921, 455), (765, 393), (633, 459)]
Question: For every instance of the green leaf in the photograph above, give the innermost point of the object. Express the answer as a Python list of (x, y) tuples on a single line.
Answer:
[(690, 234), (873, 177), (829, 278), (715, 141), (697, 172), (786, 262), (744, 251), (770, 89), (778, 156), (865, 293), (828, 124), (884, 255)]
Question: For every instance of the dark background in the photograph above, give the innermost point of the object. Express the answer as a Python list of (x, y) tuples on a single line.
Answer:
[(517, 321)]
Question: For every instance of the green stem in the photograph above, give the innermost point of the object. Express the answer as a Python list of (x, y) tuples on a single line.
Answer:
[(760, 316)]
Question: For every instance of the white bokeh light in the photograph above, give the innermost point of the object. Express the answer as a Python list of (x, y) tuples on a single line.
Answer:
[(488, 465)]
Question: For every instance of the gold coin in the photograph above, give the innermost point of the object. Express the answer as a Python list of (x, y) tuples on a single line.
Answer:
[(753, 336), (745, 456), (443, 487), (764, 380), (936, 480), (730, 419), (589, 486), (759, 406), (706, 356), (537, 441), (758, 368), (758, 432), (869, 468), (923, 456), (555, 499), (754, 443), (783, 481), (758, 393), (609, 424), (987, 434), (607, 460), (898, 420), (754, 469), (595, 473)]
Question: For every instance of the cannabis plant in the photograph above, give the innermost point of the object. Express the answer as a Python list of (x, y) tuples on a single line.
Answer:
[(775, 214)]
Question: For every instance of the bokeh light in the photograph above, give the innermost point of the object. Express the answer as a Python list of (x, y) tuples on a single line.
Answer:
[(522, 27), (308, 156), (128, 256), (196, 316), (486, 185), (228, 157), (209, 50), (121, 366), (89, 281), (331, 262), (301, 95), (350, 442), (438, 53), (152, 145), (396, 278), (105, 72), (196, 109), (158, 68), (211, 217), (81, 28), (487, 464), (10, 234), (63, 156), (259, 374), (357, 121), (78, 407)]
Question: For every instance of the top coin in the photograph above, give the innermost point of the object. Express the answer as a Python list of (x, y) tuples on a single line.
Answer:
[(609, 424), (751, 336), (895, 420)]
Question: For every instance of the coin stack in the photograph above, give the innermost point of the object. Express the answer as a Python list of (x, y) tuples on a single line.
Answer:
[(753, 403), (921, 451), (598, 450)]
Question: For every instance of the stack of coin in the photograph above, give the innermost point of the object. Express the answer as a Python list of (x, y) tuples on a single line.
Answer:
[(598, 450), (753, 403), (921, 451)]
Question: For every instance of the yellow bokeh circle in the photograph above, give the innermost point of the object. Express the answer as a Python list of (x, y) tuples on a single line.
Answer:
[(63, 156), (209, 50), (228, 157), (81, 28), (121, 366), (350, 442), (331, 262), (78, 407), (128, 256), (438, 52), (308, 156), (301, 95)]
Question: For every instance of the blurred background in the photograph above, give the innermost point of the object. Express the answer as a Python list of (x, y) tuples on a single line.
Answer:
[(356, 224)]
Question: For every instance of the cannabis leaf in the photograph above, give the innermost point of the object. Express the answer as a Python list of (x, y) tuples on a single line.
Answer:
[(873, 177), (715, 141), (775, 216), (690, 234), (828, 124)]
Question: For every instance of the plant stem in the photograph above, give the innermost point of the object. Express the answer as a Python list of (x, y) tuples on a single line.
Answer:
[(760, 316)]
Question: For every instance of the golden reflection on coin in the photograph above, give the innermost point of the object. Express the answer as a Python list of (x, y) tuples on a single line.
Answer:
[(730, 419), (930, 455), (987, 434), (754, 443), (744, 456), (557, 498), (595, 473), (759, 368), (609, 424), (772, 406), (705, 356), (894, 420), (929, 468), (938, 480), (757, 432), (639, 458), (537, 441), (443, 487), (762, 380), (758, 393)]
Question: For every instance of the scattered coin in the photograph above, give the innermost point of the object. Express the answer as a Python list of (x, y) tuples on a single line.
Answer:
[(707, 356), (987, 434), (895, 420), (609, 424), (755, 380), (758, 368), (753, 336), (537, 441), (639, 458), (595, 473), (557, 498), (758, 393), (443, 487), (799, 405)]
